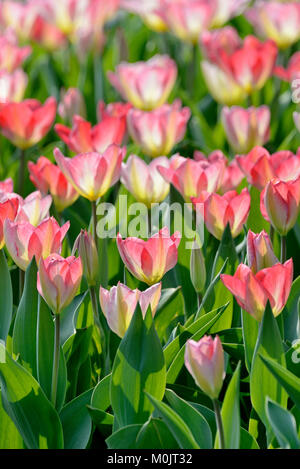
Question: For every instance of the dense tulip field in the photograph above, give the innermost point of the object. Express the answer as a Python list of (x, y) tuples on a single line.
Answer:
[(149, 224)]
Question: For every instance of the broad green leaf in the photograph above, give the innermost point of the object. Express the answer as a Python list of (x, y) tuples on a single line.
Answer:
[(232, 342), (230, 413), (138, 366), (155, 434), (28, 407), (103, 420), (262, 382), (193, 419), (255, 221), (250, 334), (283, 424), (285, 378), (124, 438), (25, 327), (179, 429), (44, 355), (69, 317), (76, 422), (290, 313), (209, 297), (247, 440), (171, 305), (6, 304), (10, 437), (101, 395)]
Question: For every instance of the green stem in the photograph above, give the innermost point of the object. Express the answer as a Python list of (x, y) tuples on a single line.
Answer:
[(149, 222), (199, 300), (283, 249), (219, 423), (22, 173), (272, 232), (21, 282), (98, 324), (94, 220), (55, 359)]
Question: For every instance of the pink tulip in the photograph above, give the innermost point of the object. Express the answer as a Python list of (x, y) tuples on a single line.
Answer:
[(7, 185), (119, 304), (34, 208), (260, 252), (92, 174), (58, 280), (8, 211), (48, 177), (11, 55), (145, 181), (151, 12), (156, 132), (71, 104), (280, 204), (277, 21), (218, 211), (149, 260), (252, 291), (234, 68), (232, 176), (27, 122), (12, 86), (24, 241), (227, 9), (246, 128), (205, 361), (118, 109), (292, 71), (88, 254), (260, 167), (191, 177), (83, 138), (147, 85)]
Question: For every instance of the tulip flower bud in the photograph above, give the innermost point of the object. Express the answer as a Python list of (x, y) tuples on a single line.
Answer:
[(260, 252), (197, 268), (205, 361), (71, 104), (87, 251)]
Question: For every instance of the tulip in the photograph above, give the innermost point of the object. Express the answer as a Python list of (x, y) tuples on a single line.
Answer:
[(12, 86), (83, 138), (147, 85), (11, 55), (240, 67), (281, 202), (191, 177), (118, 109), (260, 252), (48, 177), (71, 104), (34, 208), (260, 167), (27, 122), (58, 280), (149, 260), (151, 12), (218, 211), (246, 128), (119, 304), (232, 176), (7, 185), (252, 291), (156, 132), (205, 361), (225, 10), (87, 251), (24, 241), (145, 181), (277, 21), (92, 174), (292, 72), (8, 211)]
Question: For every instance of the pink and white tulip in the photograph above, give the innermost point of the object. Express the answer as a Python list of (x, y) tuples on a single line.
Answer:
[(34, 208), (71, 104), (260, 252), (151, 12), (12, 86), (11, 55), (8, 211)]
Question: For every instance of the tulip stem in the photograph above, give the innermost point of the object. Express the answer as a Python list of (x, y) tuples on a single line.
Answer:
[(22, 173), (219, 423), (272, 232), (97, 321), (283, 249), (55, 359), (21, 282), (94, 219)]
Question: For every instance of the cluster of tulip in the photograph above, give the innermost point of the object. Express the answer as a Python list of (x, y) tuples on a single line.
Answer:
[(127, 310)]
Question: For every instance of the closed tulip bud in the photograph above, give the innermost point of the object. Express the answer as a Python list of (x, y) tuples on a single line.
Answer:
[(197, 268), (149, 260), (260, 252), (119, 303), (205, 361), (58, 280), (253, 291), (8, 211), (71, 104), (87, 250)]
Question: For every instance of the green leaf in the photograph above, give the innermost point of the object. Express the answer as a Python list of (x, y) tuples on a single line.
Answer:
[(230, 413), (6, 304), (178, 361), (124, 438), (283, 424), (247, 440), (138, 366), (193, 419), (25, 327), (76, 422), (45, 353), (256, 221), (28, 407), (155, 434), (10, 437), (69, 317), (171, 305), (288, 380), (179, 429), (250, 334), (262, 382), (101, 394), (291, 312), (103, 420)]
